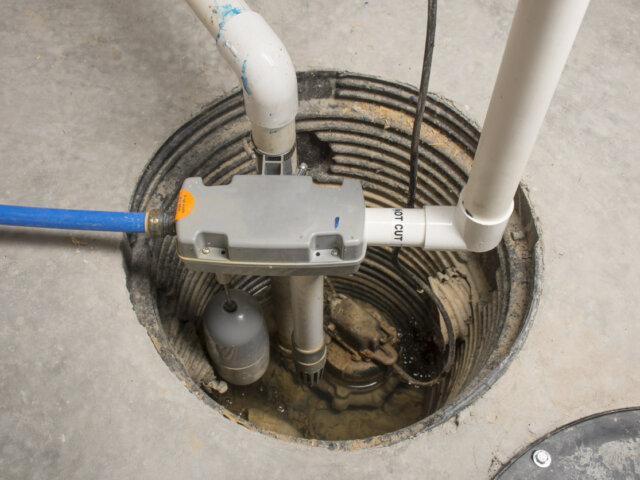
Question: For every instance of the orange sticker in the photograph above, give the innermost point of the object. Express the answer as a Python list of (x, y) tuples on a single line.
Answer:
[(185, 204)]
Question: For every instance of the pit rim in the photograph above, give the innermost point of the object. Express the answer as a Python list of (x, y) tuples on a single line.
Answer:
[(441, 416)]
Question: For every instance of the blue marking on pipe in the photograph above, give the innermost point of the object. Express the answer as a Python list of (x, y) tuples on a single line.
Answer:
[(336, 222), (243, 77), (19, 216), (224, 13), (227, 10)]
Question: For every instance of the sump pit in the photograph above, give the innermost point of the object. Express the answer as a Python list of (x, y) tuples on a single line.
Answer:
[(349, 126)]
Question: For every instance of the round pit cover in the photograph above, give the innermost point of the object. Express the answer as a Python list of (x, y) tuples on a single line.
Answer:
[(602, 446)]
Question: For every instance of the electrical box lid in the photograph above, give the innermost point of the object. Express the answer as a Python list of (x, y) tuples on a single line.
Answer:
[(272, 225)]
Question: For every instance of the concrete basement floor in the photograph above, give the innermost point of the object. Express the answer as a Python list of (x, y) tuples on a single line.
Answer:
[(89, 91)]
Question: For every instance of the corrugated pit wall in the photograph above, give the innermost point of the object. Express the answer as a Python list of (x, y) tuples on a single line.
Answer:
[(349, 126)]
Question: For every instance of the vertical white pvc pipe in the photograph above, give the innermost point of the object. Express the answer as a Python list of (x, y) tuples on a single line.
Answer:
[(308, 312), (541, 37)]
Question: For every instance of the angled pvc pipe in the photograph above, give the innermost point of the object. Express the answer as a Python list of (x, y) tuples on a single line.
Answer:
[(263, 67), (540, 39)]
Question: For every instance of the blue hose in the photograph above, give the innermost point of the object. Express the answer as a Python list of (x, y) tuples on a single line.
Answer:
[(72, 219)]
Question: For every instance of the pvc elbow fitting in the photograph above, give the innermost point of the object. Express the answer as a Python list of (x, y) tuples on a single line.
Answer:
[(453, 228), (480, 235), (264, 68)]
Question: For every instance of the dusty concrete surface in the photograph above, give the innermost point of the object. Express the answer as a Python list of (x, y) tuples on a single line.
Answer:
[(89, 90)]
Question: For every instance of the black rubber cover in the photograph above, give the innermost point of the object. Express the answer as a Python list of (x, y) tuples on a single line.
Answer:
[(602, 446)]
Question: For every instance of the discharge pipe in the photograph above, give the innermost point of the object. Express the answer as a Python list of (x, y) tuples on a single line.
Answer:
[(263, 66), (540, 39)]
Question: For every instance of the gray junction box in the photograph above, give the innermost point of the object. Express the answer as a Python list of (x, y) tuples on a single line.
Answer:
[(273, 225)]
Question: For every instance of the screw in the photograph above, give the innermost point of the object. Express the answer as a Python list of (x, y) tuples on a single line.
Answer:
[(334, 252), (302, 169), (205, 250), (541, 458)]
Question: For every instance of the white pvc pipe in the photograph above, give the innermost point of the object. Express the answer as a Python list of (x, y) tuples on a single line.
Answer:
[(307, 297), (400, 227), (263, 66), (541, 37), (431, 228), (275, 141), (441, 230), (214, 14)]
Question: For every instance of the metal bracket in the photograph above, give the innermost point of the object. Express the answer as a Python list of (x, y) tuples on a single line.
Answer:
[(275, 164)]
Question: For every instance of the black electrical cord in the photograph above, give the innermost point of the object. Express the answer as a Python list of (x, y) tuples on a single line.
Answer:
[(422, 99), (420, 284)]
